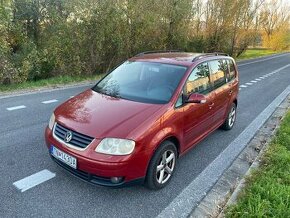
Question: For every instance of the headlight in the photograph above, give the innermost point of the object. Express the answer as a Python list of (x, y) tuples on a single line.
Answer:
[(115, 146), (51, 121)]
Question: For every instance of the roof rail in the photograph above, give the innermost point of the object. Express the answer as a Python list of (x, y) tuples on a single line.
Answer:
[(209, 54), (156, 51)]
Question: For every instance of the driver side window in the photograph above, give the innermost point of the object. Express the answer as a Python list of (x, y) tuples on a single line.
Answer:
[(199, 80)]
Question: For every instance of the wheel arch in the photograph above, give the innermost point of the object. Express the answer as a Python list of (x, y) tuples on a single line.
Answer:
[(235, 102), (175, 141), (162, 137), (170, 138)]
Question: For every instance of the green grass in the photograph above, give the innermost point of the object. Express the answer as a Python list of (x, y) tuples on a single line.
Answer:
[(255, 53), (54, 81), (267, 191)]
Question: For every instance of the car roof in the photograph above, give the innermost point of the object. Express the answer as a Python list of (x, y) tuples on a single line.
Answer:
[(177, 58)]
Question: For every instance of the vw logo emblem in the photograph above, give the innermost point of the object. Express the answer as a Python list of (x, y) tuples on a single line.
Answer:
[(68, 136)]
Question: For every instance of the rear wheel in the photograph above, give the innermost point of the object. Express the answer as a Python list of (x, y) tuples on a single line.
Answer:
[(161, 166), (231, 118)]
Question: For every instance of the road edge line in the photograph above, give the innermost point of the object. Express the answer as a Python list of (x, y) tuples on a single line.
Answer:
[(189, 198)]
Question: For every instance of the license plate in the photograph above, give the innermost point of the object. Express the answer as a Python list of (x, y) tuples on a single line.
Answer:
[(64, 157)]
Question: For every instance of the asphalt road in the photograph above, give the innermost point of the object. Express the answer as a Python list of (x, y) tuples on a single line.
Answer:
[(23, 153)]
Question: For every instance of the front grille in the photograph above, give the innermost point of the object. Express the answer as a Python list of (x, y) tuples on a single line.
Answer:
[(78, 140)]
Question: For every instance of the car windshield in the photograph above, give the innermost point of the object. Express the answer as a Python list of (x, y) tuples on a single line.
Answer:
[(145, 82)]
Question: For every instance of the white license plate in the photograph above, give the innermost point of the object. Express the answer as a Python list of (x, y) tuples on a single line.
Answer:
[(64, 157)]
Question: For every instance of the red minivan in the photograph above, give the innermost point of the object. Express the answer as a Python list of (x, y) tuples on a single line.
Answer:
[(135, 122)]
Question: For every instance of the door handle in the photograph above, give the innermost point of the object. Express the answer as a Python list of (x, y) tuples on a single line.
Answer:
[(211, 105)]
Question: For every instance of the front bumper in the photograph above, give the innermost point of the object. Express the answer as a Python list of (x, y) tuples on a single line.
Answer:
[(94, 171), (96, 180)]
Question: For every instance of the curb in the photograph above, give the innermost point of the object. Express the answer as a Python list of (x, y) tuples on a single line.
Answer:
[(228, 187)]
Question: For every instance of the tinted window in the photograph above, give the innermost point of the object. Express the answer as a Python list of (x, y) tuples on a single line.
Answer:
[(142, 81), (218, 72), (232, 73), (198, 81)]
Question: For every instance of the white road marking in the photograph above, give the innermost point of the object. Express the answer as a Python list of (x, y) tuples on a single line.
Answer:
[(261, 77), (49, 101), (16, 108), (249, 84), (243, 86), (71, 96), (258, 79), (265, 59), (253, 81), (240, 88), (33, 180)]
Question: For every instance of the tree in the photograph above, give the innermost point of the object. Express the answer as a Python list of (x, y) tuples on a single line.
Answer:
[(45, 38), (274, 21)]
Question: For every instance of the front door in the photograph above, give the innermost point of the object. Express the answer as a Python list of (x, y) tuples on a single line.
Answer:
[(198, 116)]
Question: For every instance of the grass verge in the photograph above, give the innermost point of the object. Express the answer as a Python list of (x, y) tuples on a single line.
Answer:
[(255, 53), (54, 81), (267, 190)]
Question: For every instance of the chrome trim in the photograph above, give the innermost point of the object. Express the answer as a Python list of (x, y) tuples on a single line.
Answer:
[(66, 144)]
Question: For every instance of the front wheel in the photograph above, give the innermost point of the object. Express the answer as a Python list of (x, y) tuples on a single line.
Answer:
[(231, 118), (161, 166)]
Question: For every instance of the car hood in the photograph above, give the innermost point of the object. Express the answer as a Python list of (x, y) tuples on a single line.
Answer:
[(101, 116)]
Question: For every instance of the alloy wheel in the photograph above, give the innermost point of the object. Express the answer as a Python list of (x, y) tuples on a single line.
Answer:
[(165, 166), (232, 116)]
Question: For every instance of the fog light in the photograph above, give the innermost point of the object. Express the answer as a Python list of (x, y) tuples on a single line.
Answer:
[(116, 179)]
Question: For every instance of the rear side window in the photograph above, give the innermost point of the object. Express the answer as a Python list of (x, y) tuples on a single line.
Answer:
[(219, 69), (232, 70), (198, 81)]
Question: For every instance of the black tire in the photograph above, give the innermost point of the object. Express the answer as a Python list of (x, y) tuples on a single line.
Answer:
[(167, 148), (231, 118)]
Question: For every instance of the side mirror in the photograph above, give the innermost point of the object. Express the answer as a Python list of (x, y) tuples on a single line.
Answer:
[(196, 98)]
